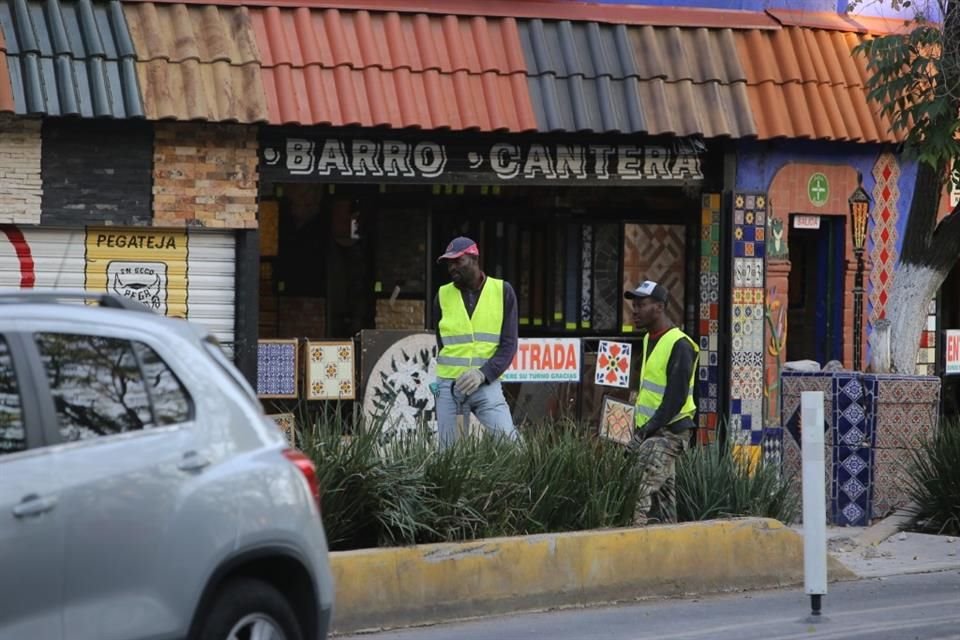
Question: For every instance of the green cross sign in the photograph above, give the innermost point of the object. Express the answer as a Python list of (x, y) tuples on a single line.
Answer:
[(818, 189)]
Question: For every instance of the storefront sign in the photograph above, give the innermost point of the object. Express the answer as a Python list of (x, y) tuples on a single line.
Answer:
[(952, 361), (480, 160), (806, 222), (545, 360)]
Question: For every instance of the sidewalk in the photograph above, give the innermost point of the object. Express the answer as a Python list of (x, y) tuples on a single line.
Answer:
[(900, 553)]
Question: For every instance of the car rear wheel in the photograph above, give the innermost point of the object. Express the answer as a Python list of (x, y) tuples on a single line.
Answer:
[(247, 609)]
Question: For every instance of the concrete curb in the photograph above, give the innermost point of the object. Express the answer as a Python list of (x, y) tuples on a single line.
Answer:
[(382, 588)]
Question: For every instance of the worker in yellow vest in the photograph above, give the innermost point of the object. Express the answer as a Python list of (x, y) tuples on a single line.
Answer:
[(665, 406), (477, 339)]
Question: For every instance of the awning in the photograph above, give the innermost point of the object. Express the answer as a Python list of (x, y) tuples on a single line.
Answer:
[(197, 62), (806, 83), (588, 76), (373, 69), (70, 58)]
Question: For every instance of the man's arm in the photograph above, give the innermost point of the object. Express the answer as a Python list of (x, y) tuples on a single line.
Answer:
[(436, 321), (507, 348), (679, 368)]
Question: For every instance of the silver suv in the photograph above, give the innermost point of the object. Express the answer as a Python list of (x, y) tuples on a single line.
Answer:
[(143, 492)]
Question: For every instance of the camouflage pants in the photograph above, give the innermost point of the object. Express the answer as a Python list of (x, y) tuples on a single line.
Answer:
[(657, 457)]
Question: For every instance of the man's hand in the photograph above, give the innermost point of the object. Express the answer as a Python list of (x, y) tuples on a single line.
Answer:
[(469, 381), (634, 445)]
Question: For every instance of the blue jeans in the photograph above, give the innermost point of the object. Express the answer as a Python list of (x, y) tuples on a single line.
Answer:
[(486, 403)]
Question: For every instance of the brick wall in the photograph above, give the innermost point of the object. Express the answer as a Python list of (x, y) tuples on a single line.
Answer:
[(300, 318), (205, 175), (97, 171), (20, 184), (400, 314)]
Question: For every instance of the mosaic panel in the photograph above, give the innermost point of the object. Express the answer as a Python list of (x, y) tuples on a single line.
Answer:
[(852, 487), (655, 252), (891, 475), (330, 371), (883, 233), (617, 420), (709, 327), (287, 424), (277, 368)]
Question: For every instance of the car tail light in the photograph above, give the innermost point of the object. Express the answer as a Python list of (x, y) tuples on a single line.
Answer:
[(308, 470)]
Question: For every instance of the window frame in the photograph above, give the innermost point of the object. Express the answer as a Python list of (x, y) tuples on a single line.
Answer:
[(36, 424)]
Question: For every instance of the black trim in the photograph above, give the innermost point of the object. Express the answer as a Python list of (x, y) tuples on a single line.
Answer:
[(246, 303), (41, 399)]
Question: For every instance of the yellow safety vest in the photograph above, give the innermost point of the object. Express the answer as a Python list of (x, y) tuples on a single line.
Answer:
[(468, 342), (653, 378)]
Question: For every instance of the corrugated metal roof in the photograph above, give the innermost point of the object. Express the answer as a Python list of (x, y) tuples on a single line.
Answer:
[(806, 83), (592, 77), (197, 62), (6, 91), (395, 70), (70, 58)]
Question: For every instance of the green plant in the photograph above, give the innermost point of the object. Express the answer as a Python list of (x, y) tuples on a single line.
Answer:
[(712, 483), (934, 481)]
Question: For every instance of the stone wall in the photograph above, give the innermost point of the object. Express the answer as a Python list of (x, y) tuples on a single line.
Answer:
[(21, 187), (205, 175), (97, 171)]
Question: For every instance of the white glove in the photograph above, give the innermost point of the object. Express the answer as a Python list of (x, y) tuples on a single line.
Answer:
[(469, 381)]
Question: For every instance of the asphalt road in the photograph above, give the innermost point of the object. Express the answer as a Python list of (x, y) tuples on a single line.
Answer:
[(905, 607)]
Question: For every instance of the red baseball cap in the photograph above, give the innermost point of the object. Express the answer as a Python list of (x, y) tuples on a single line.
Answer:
[(458, 247)]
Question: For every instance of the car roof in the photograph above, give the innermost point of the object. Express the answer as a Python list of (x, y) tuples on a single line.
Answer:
[(107, 309)]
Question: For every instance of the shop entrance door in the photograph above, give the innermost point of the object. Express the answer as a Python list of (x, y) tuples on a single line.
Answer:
[(815, 320)]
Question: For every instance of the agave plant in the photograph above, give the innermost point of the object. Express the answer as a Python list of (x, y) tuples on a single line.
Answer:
[(934, 482)]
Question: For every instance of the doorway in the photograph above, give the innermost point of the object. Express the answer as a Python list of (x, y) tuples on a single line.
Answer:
[(817, 266)]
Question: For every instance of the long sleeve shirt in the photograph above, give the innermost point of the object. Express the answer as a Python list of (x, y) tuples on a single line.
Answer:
[(679, 369), (509, 331)]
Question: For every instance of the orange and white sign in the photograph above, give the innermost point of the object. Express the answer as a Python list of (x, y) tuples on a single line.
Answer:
[(952, 361), (545, 360)]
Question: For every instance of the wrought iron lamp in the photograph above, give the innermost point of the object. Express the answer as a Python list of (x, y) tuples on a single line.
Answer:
[(859, 202)]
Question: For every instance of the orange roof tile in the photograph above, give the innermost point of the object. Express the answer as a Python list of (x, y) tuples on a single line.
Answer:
[(324, 66), (806, 83), (6, 90), (197, 62)]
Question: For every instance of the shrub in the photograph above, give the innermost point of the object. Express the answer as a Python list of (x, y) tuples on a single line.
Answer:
[(712, 483), (934, 482)]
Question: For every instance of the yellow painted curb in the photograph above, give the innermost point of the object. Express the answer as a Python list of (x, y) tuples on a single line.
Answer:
[(380, 588)]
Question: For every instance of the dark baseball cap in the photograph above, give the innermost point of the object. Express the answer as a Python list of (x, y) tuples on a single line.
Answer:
[(458, 247), (647, 289)]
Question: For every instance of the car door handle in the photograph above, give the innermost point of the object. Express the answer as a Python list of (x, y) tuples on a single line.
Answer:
[(34, 505), (193, 461)]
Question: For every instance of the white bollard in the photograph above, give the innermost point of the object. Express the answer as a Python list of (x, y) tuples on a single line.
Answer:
[(814, 499)]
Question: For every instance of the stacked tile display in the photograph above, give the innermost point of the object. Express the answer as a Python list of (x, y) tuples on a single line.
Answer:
[(746, 349), (655, 252), (708, 332), (873, 423)]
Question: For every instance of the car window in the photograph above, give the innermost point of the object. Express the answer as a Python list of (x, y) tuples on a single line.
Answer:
[(12, 435), (171, 403), (97, 387)]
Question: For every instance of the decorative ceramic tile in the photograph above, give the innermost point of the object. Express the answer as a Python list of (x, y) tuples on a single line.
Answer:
[(772, 445), (853, 469), (606, 276), (883, 233), (287, 424), (708, 396), (613, 364), (617, 420), (330, 373), (277, 368), (656, 252), (890, 480)]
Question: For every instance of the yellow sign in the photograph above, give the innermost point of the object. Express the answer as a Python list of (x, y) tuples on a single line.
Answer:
[(144, 264)]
